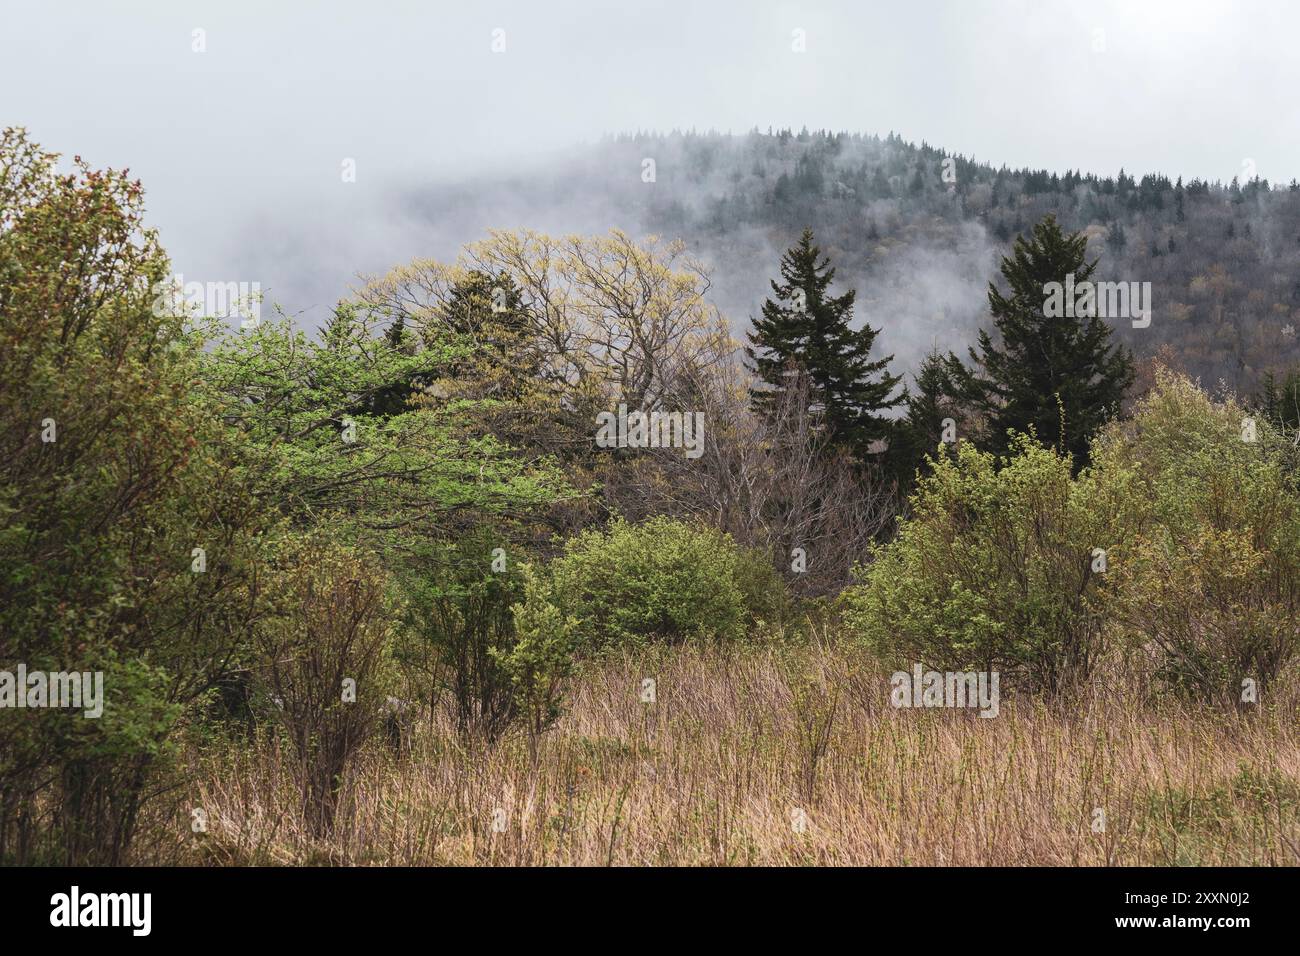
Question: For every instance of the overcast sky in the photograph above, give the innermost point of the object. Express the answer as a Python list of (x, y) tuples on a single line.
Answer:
[(253, 130)]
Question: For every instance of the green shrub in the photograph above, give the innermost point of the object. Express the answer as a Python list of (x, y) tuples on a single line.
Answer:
[(458, 624), (762, 590), (480, 628), (1197, 508), (661, 580), (996, 569), (323, 659), (541, 659), (1212, 588)]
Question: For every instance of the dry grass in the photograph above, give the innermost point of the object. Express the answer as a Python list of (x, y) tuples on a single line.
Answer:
[(713, 772)]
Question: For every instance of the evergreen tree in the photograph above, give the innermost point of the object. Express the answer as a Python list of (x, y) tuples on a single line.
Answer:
[(806, 327), (921, 431), (1280, 401), (483, 313), (880, 184), (485, 306), (1060, 377), (1116, 238), (487, 312)]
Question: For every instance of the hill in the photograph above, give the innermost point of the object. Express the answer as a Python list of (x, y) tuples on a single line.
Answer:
[(918, 230)]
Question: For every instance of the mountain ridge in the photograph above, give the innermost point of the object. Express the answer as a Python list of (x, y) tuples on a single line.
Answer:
[(919, 231)]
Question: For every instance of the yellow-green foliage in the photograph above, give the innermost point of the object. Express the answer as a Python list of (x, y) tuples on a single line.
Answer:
[(1196, 508), (541, 658), (1212, 590), (997, 568), (658, 580)]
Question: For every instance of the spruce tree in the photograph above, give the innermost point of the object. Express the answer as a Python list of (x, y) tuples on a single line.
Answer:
[(484, 313), (1280, 401), (1060, 377), (921, 431), (487, 312), (806, 327)]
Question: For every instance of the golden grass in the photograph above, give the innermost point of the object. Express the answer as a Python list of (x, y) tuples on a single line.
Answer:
[(715, 771)]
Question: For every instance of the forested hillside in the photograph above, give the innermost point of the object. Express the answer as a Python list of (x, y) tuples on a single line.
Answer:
[(918, 231)]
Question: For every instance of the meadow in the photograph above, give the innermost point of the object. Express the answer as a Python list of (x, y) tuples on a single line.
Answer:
[(777, 757)]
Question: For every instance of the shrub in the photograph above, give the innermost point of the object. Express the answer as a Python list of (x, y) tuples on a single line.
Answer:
[(541, 658), (323, 659), (661, 580), (1212, 587), (996, 569), (489, 638)]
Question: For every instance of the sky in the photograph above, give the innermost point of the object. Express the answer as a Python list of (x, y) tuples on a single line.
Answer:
[(240, 131)]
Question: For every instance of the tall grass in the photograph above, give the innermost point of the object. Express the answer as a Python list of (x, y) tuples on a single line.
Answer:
[(714, 771)]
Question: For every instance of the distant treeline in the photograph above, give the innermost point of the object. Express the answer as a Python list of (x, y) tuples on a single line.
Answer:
[(1223, 256)]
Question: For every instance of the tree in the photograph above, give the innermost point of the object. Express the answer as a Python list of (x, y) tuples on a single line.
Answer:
[(1058, 377), (921, 430), (589, 322), (487, 312), (130, 544), (304, 409), (1115, 238), (1279, 401), (804, 327), (772, 481), (484, 316)]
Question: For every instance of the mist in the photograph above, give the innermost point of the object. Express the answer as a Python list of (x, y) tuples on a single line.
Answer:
[(240, 118)]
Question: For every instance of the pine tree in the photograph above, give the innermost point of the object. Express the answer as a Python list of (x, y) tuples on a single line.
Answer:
[(1280, 401), (487, 311), (921, 431), (806, 327), (1115, 238), (1060, 377)]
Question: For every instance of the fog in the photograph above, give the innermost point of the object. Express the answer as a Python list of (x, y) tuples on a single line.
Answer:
[(242, 132)]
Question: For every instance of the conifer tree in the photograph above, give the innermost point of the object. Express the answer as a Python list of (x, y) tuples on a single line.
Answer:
[(1059, 376), (921, 431), (804, 326)]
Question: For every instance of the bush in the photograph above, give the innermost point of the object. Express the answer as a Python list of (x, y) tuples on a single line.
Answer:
[(996, 569), (661, 580), (114, 475), (323, 660), (541, 658), (488, 637), (1212, 589)]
